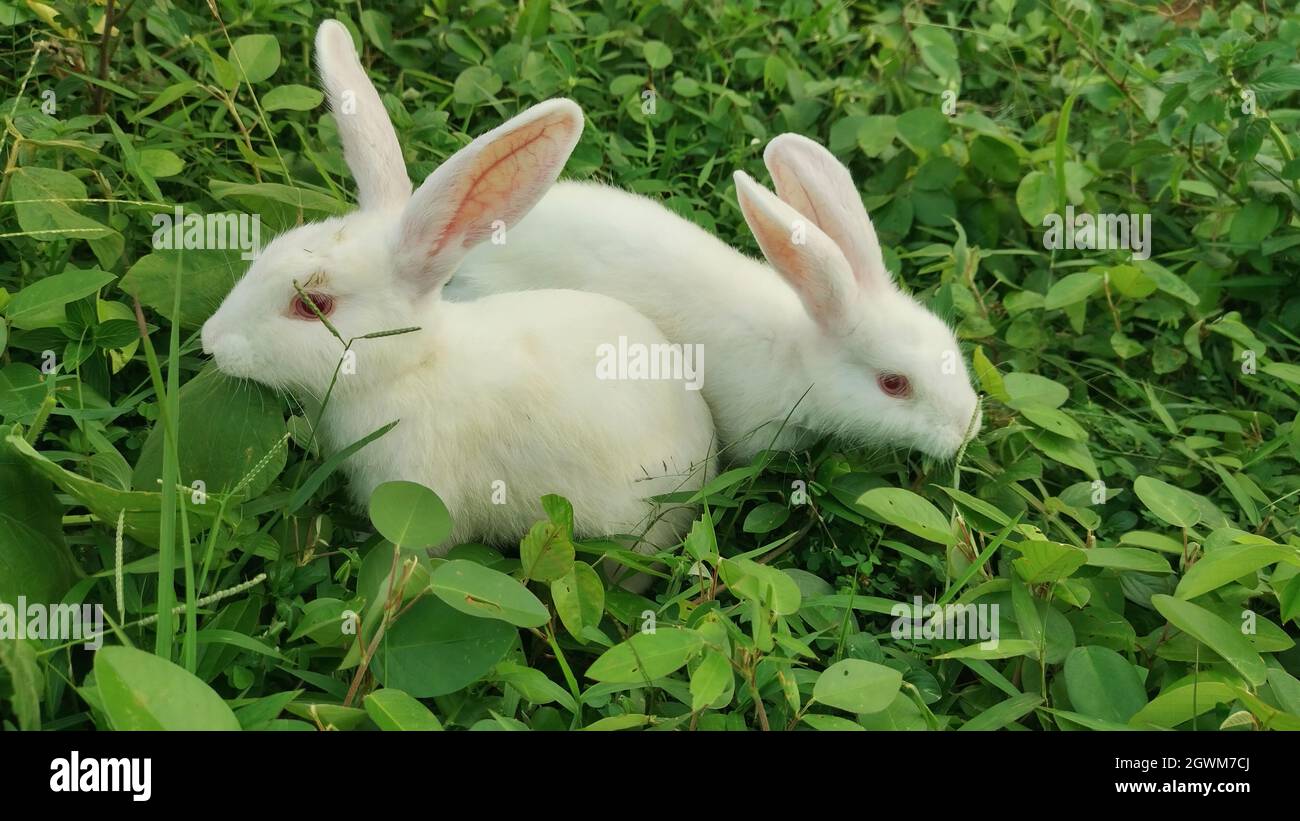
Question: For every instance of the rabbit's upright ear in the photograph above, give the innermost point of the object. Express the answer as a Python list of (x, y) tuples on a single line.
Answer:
[(814, 183), (799, 250), (369, 142), (482, 190)]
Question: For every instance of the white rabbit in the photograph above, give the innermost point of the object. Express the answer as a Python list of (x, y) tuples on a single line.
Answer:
[(876, 365), (499, 390)]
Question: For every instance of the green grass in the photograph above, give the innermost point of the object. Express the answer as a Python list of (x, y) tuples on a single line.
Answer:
[(1130, 506)]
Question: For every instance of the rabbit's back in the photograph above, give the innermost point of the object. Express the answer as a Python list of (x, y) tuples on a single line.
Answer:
[(510, 405)]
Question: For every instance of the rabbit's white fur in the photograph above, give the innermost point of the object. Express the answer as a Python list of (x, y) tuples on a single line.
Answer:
[(503, 389), (821, 327)]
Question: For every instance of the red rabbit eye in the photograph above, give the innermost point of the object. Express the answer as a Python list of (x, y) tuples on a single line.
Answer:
[(323, 303), (894, 384)]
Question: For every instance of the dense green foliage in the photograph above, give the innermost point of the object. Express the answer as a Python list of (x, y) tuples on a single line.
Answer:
[(1130, 506)]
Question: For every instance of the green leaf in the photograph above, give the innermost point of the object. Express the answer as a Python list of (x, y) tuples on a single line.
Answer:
[(34, 561), (396, 710), (141, 510), (646, 656), (1001, 649), (657, 54), (710, 680), (42, 198), (1128, 558), (140, 691), (1181, 703), (857, 686), (534, 686), (1004, 713), (766, 517), (762, 584), (244, 417), (1072, 289), (1215, 633), (41, 304), (1032, 390), (1036, 197), (255, 56), (547, 552), (434, 649), (1103, 684), (938, 51), (923, 129), (1170, 504), (206, 277), (481, 591), (1054, 421), (1228, 563), (291, 98), (409, 515), (476, 85), (904, 509), (26, 678), (579, 598), (1043, 561)]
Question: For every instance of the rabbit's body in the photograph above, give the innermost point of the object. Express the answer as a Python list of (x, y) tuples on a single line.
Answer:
[(501, 400), (477, 396), (794, 353), (747, 319)]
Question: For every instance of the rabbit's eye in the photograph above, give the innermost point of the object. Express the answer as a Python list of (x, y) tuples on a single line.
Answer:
[(323, 303), (895, 385)]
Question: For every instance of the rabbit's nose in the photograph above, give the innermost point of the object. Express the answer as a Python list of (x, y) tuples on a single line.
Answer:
[(206, 337)]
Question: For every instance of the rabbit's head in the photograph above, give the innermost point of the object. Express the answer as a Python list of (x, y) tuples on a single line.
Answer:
[(884, 368), (383, 266)]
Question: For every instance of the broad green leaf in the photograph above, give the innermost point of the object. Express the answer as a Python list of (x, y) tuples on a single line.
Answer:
[(1170, 504), (760, 583), (1215, 633), (1071, 289), (1043, 561), (1004, 713), (546, 552), (904, 509), (140, 691), (244, 417), (1000, 649), (1128, 558), (434, 649), (646, 656), (1181, 703), (579, 598), (396, 710), (923, 129), (710, 680), (34, 560), (205, 276), (409, 515), (255, 57), (1034, 390), (480, 591), (291, 97), (534, 686), (766, 517), (1103, 684), (41, 304), (1228, 563), (857, 686), (141, 509)]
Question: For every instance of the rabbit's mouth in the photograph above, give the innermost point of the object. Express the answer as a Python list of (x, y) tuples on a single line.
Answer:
[(232, 353)]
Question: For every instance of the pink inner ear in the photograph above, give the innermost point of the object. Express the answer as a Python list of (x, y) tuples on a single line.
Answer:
[(502, 180), (793, 192), (792, 261)]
